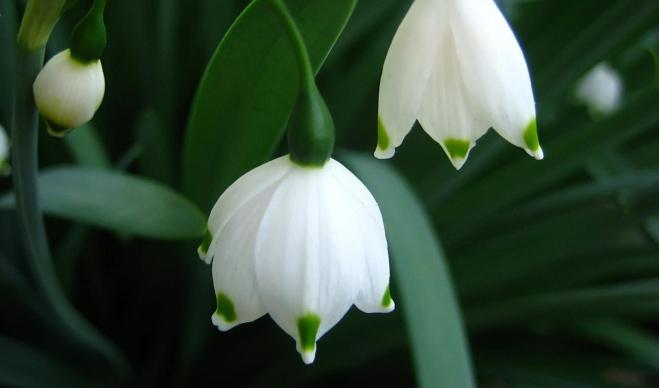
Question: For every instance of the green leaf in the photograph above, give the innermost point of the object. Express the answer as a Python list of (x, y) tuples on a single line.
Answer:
[(87, 148), (119, 202), (427, 298), (22, 365), (625, 338), (248, 91), (634, 298)]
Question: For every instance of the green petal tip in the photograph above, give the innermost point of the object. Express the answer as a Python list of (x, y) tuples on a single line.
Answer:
[(225, 313), (457, 150), (532, 141), (307, 328)]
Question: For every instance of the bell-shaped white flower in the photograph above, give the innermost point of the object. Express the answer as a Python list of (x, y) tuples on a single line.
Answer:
[(601, 89), (299, 243), (68, 92), (457, 68)]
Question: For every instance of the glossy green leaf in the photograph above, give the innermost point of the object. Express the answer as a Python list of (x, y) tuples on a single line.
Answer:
[(248, 91), (427, 298), (119, 202)]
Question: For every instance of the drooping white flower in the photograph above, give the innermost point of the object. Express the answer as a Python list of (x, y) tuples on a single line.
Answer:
[(601, 89), (457, 68), (299, 243), (68, 92)]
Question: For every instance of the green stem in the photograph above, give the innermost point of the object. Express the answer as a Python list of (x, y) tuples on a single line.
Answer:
[(25, 167), (307, 77), (310, 128), (41, 17)]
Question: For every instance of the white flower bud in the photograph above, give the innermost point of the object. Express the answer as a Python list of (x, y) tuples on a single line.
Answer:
[(299, 243), (601, 89), (68, 92), (457, 68)]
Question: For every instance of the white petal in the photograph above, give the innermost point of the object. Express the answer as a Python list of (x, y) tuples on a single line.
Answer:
[(495, 70), (405, 74), (302, 258), (450, 112), (68, 92), (601, 89), (365, 220), (234, 279), (242, 191)]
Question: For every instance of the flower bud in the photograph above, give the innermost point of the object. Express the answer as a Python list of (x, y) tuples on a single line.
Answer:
[(601, 89), (68, 92)]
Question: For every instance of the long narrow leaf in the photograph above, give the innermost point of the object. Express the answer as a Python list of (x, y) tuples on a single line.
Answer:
[(426, 293), (119, 202)]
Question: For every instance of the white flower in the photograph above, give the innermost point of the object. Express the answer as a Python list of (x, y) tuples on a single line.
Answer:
[(601, 89), (301, 244), (456, 66), (68, 92)]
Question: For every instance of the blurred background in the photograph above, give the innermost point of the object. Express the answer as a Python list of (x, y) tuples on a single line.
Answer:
[(555, 264)]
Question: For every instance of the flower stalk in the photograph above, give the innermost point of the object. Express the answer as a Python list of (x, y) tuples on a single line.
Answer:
[(311, 128), (38, 21)]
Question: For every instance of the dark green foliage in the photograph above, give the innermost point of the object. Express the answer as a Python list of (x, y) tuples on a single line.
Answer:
[(555, 264)]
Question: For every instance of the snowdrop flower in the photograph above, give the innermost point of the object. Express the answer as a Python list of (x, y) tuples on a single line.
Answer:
[(456, 67), (601, 89), (300, 243), (68, 91)]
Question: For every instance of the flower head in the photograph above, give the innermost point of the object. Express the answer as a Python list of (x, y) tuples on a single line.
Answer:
[(601, 89), (69, 91), (456, 67), (299, 243)]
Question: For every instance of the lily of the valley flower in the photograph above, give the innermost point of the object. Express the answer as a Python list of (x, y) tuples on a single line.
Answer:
[(68, 91), (601, 89), (301, 244), (456, 66)]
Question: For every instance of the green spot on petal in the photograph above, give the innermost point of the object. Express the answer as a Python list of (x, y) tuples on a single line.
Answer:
[(531, 135), (383, 137), (307, 328), (225, 308), (206, 243), (386, 298), (457, 148)]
